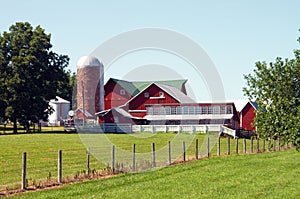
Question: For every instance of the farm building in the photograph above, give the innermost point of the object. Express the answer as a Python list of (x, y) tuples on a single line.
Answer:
[(247, 115), (161, 102), (149, 102), (61, 108)]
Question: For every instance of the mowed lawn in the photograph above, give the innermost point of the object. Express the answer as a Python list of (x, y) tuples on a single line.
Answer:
[(268, 175), (42, 150)]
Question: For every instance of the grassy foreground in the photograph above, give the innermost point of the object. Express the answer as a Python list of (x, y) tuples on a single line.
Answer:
[(269, 175), (42, 152)]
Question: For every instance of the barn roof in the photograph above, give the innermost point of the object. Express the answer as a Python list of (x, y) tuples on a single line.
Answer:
[(120, 110), (240, 104), (136, 87), (254, 104), (85, 112), (176, 93)]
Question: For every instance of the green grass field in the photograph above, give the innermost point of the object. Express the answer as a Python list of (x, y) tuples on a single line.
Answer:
[(42, 152), (8, 129), (268, 175)]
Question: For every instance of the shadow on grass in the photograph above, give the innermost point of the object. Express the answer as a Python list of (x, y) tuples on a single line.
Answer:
[(36, 132)]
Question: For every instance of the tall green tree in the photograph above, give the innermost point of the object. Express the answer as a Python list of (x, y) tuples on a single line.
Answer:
[(32, 73), (276, 89), (2, 88)]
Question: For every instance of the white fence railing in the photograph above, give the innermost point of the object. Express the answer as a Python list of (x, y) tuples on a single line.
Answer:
[(128, 128)]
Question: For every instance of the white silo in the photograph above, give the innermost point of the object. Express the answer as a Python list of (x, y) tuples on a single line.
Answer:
[(61, 108), (90, 85)]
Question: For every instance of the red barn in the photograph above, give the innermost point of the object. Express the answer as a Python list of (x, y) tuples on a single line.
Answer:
[(154, 93), (118, 92), (247, 116), (163, 102), (193, 113)]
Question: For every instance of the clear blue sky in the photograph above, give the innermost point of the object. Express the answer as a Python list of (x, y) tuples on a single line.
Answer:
[(234, 33)]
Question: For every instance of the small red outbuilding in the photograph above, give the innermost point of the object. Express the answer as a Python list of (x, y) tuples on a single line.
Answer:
[(247, 116)]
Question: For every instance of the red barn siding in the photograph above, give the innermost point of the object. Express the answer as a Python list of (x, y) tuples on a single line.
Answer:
[(138, 103), (112, 97), (247, 117)]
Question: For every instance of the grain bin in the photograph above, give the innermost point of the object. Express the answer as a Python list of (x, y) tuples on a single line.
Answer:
[(61, 108)]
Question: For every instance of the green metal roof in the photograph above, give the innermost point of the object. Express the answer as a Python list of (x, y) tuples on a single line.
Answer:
[(136, 87)]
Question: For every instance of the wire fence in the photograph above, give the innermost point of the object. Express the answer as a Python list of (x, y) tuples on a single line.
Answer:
[(42, 168)]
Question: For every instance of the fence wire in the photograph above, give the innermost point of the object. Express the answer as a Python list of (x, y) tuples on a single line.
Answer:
[(97, 160)]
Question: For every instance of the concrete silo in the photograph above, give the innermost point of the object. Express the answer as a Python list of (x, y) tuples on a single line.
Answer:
[(90, 85)]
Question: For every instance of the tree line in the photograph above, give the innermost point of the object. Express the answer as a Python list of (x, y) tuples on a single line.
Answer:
[(31, 74), (275, 87)]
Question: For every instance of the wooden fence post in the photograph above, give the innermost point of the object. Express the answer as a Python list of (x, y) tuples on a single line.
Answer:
[(169, 152), (251, 145), (278, 143), (113, 159), (133, 157), (269, 144), (88, 161), (183, 151), (257, 145), (274, 145), (237, 145), (228, 145), (264, 145), (208, 147), (24, 160), (153, 155), (219, 146), (196, 150), (59, 167), (245, 146)]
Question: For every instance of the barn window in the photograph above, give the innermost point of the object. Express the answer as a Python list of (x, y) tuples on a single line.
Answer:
[(216, 109), (204, 109), (179, 110), (146, 94), (209, 110), (161, 110), (149, 110), (168, 110), (116, 119), (122, 91), (155, 110), (223, 110), (197, 110), (173, 110), (161, 94), (185, 110), (191, 110), (228, 109)]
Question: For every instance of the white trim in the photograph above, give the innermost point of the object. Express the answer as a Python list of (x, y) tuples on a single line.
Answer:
[(122, 92), (146, 94), (188, 117), (157, 98), (138, 94), (136, 111), (169, 93), (174, 97)]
